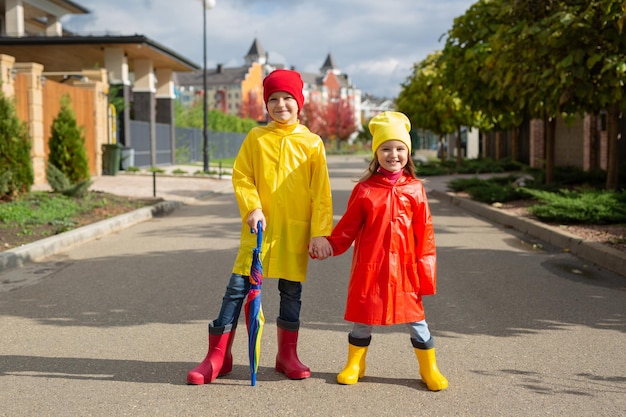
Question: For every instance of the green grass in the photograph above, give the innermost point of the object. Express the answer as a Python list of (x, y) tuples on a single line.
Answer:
[(40, 208)]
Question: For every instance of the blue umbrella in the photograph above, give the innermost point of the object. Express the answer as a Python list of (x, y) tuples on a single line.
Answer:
[(253, 310)]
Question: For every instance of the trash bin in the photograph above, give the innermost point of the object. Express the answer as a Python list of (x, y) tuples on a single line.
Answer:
[(110, 159), (127, 158)]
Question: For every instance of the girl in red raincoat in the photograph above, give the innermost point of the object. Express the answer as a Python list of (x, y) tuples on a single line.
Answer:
[(394, 261)]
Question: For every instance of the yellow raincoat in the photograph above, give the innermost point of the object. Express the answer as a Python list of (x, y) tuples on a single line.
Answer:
[(282, 170)]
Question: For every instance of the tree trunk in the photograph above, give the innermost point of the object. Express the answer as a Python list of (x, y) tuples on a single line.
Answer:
[(442, 149), (498, 152), (486, 144), (459, 157), (612, 169), (515, 143), (550, 126), (594, 143)]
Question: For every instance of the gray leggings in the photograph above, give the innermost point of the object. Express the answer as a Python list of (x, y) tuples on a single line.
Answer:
[(418, 330)]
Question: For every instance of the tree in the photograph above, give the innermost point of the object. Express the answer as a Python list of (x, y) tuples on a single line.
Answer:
[(346, 123), (67, 144), (251, 107), (590, 72), (469, 68), (313, 117), (551, 58), (430, 104), (192, 117), (16, 169)]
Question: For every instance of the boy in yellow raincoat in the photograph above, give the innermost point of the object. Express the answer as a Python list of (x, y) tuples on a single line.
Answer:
[(281, 179)]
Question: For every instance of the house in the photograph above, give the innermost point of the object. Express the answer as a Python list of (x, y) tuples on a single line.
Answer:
[(371, 106), (239, 90), (236, 91), (138, 69)]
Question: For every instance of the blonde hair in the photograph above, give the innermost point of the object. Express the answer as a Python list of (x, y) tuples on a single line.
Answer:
[(409, 169)]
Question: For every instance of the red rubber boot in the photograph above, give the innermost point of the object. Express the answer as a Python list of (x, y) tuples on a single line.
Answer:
[(218, 360), (287, 361)]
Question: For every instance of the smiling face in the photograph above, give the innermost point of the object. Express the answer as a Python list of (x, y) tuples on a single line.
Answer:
[(282, 107), (392, 155)]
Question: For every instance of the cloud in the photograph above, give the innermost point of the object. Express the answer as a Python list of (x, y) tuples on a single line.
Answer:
[(375, 42)]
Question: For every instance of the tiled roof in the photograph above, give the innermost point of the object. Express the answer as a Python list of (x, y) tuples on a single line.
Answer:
[(215, 76)]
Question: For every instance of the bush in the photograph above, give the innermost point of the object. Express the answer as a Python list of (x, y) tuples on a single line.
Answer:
[(468, 166), (492, 190), (16, 168), (572, 207), (60, 184), (67, 145)]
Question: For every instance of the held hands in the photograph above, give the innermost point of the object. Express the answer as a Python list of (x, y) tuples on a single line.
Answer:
[(320, 248)]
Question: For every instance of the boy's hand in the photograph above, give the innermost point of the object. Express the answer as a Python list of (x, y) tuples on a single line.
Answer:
[(320, 248), (253, 219)]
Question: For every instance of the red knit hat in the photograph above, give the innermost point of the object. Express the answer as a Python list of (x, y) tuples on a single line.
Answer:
[(284, 80)]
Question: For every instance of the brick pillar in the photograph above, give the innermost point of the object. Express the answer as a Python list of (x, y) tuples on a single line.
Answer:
[(34, 72), (97, 81), (6, 75), (116, 64)]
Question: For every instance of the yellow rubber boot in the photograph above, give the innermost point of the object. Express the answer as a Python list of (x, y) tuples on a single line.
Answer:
[(355, 367), (429, 371)]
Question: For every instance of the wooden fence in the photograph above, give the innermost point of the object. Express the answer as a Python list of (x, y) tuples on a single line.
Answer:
[(82, 102)]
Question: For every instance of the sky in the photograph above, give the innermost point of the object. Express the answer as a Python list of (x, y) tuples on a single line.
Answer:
[(375, 42)]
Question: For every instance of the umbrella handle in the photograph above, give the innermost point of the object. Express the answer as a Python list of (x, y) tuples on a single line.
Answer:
[(259, 235)]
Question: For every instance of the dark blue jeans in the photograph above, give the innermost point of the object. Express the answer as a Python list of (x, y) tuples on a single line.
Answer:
[(237, 289)]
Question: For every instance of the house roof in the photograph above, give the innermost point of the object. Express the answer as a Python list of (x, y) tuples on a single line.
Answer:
[(71, 53), (215, 77), (69, 6), (329, 64), (256, 50)]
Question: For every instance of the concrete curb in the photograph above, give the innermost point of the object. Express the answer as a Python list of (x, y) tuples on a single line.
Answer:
[(16, 258), (601, 255)]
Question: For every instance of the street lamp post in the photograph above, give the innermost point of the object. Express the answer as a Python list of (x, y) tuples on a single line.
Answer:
[(206, 4)]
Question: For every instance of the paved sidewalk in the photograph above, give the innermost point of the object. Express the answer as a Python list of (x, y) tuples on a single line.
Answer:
[(176, 190), (111, 327)]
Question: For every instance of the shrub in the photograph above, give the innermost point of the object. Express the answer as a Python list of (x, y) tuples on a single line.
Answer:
[(588, 206), (61, 184), (492, 190), (462, 184), (16, 169), (67, 145)]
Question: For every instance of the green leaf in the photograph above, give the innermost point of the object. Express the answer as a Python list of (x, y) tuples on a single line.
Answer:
[(593, 60)]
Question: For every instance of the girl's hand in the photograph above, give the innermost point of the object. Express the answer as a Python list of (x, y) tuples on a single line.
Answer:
[(320, 248)]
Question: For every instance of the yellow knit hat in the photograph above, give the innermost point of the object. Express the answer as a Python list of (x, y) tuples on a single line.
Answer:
[(390, 125)]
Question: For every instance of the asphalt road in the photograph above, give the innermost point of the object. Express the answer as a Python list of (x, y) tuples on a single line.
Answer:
[(110, 328)]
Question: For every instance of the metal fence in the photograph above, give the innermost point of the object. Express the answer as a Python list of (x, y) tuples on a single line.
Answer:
[(140, 134), (188, 144)]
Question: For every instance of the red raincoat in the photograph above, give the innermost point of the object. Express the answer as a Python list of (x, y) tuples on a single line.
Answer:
[(394, 262)]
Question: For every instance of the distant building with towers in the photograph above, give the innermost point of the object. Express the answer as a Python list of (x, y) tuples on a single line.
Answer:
[(239, 90)]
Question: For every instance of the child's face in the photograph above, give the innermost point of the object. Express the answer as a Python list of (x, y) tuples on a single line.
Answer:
[(392, 155), (282, 107)]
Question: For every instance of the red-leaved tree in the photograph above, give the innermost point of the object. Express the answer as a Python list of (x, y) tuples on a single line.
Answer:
[(252, 108)]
